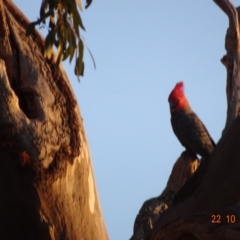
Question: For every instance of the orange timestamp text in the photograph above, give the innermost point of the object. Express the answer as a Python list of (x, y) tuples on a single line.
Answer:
[(217, 218)]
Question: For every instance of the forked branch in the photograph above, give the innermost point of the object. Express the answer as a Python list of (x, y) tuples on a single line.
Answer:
[(231, 61)]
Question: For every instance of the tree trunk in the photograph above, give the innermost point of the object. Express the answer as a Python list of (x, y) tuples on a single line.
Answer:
[(207, 206), (47, 188)]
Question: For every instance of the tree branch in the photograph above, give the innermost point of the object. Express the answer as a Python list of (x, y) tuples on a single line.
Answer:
[(230, 10), (152, 209), (231, 61)]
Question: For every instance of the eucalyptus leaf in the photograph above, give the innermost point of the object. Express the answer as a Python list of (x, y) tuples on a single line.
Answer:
[(88, 3), (77, 18), (49, 41), (59, 55), (79, 61)]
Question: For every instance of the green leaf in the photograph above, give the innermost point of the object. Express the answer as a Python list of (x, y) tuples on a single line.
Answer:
[(88, 3), (94, 63), (79, 61), (71, 52), (49, 41), (77, 21), (56, 43), (65, 54), (52, 21), (65, 24), (65, 27), (72, 45), (43, 9), (82, 72), (59, 55)]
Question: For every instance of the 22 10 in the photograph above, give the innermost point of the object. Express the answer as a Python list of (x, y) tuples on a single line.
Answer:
[(217, 218)]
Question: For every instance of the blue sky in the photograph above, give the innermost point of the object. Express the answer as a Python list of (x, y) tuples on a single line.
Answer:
[(141, 50)]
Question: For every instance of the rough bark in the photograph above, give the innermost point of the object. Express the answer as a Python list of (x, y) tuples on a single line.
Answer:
[(231, 61), (207, 206), (152, 209), (204, 226), (47, 186)]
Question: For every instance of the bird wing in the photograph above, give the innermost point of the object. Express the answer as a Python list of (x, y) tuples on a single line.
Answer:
[(201, 127)]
